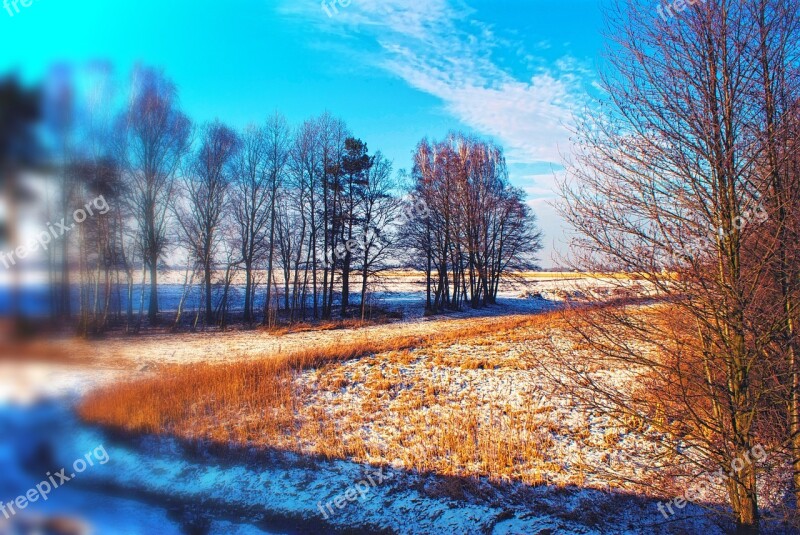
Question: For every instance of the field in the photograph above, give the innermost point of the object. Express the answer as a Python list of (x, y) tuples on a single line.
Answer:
[(472, 413)]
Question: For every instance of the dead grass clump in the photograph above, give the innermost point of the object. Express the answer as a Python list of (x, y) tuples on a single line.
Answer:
[(378, 382), (337, 382), (476, 364)]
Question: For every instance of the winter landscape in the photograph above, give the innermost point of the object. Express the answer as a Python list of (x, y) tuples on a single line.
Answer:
[(520, 267)]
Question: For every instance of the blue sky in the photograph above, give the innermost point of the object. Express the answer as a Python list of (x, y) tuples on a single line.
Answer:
[(394, 70)]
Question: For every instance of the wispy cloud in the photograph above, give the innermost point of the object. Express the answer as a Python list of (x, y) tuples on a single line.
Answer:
[(438, 47)]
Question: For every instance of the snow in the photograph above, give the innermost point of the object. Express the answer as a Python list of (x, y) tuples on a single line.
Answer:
[(282, 491), (24, 430)]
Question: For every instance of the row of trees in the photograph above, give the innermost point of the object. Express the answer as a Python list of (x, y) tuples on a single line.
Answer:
[(690, 177), (301, 214), (479, 227)]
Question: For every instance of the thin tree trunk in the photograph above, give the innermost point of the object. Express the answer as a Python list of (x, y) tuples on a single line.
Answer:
[(141, 298), (207, 282), (187, 286), (152, 313)]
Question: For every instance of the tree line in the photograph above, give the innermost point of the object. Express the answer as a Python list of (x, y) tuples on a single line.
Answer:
[(306, 216), (479, 227)]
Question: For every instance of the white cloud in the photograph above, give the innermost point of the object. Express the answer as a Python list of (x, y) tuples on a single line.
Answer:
[(438, 48)]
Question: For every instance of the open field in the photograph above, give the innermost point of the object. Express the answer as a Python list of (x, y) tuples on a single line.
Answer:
[(480, 399), (463, 398), (473, 411)]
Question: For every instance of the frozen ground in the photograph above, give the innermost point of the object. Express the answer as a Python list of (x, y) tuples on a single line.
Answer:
[(168, 489), (182, 490), (34, 439)]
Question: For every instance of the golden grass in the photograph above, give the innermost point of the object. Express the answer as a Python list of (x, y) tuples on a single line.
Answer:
[(45, 350), (426, 423), (282, 330)]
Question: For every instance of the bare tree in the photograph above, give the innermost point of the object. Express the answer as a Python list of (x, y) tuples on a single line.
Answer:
[(306, 170), (205, 192), (291, 240), (252, 207), (356, 164), (378, 209), (278, 138), (777, 48), (333, 133), (670, 183), (154, 137)]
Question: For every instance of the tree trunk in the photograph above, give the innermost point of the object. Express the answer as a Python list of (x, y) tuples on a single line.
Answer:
[(346, 283), (141, 298), (742, 492), (364, 273), (207, 281), (152, 313), (248, 289), (187, 285)]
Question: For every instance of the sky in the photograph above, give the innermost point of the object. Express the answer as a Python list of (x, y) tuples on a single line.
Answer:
[(514, 71)]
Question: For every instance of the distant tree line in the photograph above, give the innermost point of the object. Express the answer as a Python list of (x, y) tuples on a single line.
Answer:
[(306, 216)]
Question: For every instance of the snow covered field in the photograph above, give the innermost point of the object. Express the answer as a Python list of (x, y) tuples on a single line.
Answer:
[(473, 435)]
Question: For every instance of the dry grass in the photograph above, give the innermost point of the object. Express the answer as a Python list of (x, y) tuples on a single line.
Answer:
[(283, 330), (46, 350), (416, 401), (158, 404)]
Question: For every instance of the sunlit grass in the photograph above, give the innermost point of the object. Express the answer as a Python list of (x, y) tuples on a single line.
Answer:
[(296, 402)]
